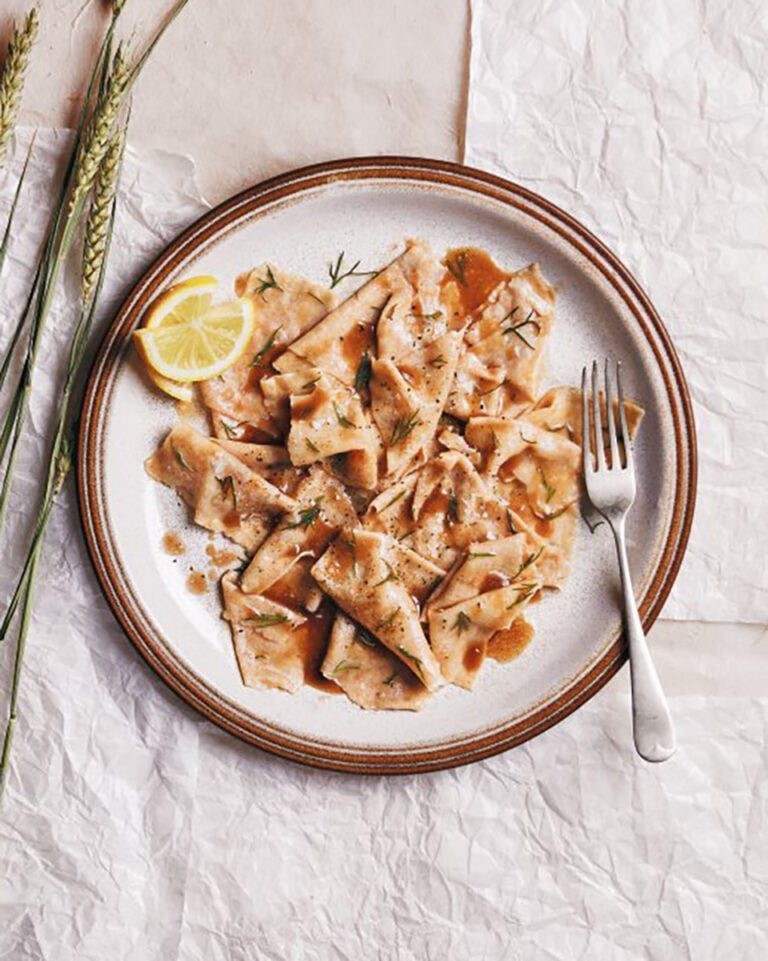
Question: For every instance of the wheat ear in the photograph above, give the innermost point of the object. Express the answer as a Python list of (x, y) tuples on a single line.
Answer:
[(12, 77), (99, 217), (100, 128)]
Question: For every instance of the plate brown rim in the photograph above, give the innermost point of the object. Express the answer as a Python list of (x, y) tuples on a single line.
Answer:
[(442, 173)]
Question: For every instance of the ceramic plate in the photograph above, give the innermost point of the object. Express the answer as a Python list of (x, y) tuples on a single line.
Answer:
[(301, 221)]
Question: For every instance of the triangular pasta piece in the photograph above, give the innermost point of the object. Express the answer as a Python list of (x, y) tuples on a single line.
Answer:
[(322, 509), (328, 422), (265, 637), (181, 461), (270, 461), (559, 410), (500, 368), (369, 674), (359, 572), (277, 392), (537, 473), (225, 495), (487, 590), (408, 397), (338, 343)]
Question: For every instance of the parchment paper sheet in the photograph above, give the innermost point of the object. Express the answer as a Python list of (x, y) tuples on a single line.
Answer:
[(647, 120), (132, 829)]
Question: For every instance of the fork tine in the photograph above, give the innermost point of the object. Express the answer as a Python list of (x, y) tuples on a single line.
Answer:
[(623, 418), (599, 451), (586, 443), (615, 460)]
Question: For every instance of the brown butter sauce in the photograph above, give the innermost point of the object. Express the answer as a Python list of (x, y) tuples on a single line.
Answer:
[(474, 656), (197, 583), (173, 544), (355, 343), (311, 636), (508, 644), (221, 558), (479, 271)]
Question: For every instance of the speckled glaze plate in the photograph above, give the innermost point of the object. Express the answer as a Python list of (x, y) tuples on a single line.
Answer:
[(366, 208)]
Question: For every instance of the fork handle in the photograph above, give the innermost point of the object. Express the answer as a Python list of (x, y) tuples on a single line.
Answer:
[(652, 727)]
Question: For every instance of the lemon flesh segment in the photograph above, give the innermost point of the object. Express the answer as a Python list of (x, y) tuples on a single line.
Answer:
[(198, 348)]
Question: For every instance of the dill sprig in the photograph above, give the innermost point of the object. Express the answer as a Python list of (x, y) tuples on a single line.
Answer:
[(524, 592), (462, 622), (350, 544), (391, 576), (228, 489), (337, 273), (343, 666), (181, 459), (361, 636), (307, 517), (458, 266), (12, 76), (416, 661), (403, 428), (269, 343), (269, 284), (265, 620), (549, 490), (518, 327), (529, 560), (363, 372), (341, 417), (387, 621)]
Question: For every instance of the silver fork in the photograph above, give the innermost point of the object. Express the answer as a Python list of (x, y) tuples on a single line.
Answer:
[(611, 489)]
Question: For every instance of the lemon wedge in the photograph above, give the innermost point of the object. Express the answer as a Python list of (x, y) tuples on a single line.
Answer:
[(183, 301), (186, 338)]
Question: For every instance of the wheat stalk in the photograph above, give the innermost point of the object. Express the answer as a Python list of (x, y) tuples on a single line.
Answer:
[(98, 217), (93, 144), (12, 77)]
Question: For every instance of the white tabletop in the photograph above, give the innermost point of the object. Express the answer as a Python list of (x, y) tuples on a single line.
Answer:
[(249, 90)]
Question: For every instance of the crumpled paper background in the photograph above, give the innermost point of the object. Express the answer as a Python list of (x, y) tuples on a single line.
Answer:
[(646, 120), (132, 829)]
